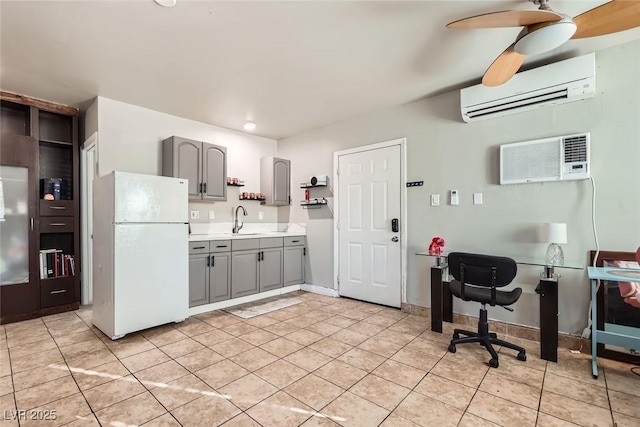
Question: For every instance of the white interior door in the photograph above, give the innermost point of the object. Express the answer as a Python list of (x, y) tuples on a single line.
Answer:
[(369, 251), (89, 173)]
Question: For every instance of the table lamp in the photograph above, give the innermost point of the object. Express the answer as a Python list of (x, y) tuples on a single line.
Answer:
[(554, 233)]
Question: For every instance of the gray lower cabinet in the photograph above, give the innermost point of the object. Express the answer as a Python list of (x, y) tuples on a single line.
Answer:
[(244, 273), (198, 280), (293, 265), (270, 269), (220, 277)]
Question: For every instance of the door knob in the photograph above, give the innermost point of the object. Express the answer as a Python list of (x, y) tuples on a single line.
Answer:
[(394, 239)]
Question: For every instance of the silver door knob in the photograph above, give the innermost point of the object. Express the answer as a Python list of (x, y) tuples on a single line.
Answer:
[(394, 239)]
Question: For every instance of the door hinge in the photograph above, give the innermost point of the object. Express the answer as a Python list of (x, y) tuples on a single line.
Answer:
[(338, 225), (338, 279)]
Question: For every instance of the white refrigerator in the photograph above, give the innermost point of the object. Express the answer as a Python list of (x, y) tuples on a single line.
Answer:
[(140, 252)]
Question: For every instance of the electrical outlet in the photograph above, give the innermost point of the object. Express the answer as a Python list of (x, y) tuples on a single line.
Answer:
[(260, 215), (477, 198), (212, 215), (195, 214), (435, 200), (454, 197)]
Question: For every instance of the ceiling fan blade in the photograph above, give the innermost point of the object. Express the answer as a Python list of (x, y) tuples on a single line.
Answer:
[(507, 18), (503, 68), (609, 18)]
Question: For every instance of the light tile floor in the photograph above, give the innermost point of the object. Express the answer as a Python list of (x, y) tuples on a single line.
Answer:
[(324, 362)]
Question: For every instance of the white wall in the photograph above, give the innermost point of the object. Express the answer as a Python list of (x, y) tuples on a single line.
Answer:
[(130, 140), (449, 154)]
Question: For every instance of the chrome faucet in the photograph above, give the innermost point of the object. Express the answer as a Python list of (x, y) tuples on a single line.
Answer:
[(236, 227)]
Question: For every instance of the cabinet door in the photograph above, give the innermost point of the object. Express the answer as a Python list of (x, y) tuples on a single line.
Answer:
[(244, 273), (293, 265), (281, 181), (182, 158), (198, 280), (219, 277), (271, 269), (214, 172)]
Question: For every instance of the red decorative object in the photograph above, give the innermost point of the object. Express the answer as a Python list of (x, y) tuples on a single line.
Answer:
[(435, 248)]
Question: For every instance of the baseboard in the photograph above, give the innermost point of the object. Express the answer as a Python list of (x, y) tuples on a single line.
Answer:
[(511, 329), (322, 290), (242, 300)]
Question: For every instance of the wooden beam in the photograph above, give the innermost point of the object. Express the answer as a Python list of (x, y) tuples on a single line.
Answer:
[(38, 103)]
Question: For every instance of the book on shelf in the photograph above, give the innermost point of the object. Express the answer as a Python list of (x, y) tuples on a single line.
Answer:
[(55, 263)]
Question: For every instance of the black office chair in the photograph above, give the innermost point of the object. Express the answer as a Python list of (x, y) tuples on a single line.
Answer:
[(476, 279)]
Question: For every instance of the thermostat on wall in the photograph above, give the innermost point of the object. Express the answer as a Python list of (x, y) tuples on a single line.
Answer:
[(318, 180)]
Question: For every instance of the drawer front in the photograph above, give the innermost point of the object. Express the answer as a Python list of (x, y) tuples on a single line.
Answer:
[(199, 247), (245, 244), (220, 246), (57, 291), (271, 242), (56, 224), (56, 207), (295, 241)]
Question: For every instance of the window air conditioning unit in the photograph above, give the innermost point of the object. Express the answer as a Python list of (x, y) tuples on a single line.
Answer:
[(553, 84), (560, 158)]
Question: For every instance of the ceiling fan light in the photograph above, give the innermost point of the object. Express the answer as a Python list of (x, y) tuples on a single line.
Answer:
[(546, 38)]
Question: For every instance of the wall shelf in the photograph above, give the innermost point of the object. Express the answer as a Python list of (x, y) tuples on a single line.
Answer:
[(238, 184), (309, 185), (314, 203)]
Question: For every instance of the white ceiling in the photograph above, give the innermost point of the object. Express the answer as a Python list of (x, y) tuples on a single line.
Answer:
[(289, 66)]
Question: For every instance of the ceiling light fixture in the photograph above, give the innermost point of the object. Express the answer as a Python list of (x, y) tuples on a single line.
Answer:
[(166, 3), (249, 126), (546, 37)]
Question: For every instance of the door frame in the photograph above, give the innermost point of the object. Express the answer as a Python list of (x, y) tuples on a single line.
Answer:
[(86, 291), (402, 142)]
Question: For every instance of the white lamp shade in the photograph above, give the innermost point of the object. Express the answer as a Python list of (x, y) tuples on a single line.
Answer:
[(554, 232)]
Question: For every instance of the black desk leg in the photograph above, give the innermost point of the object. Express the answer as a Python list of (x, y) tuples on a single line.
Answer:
[(548, 290), (436, 299), (447, 302)]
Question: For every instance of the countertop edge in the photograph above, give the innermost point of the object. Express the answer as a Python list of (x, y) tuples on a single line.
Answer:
[(221, 236)]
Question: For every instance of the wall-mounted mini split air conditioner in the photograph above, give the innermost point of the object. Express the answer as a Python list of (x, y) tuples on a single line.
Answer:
[(560, 158), (565, 81)]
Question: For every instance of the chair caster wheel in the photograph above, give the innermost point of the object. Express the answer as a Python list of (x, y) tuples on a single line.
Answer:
[(493, 363), (452, 348), (522, 356)]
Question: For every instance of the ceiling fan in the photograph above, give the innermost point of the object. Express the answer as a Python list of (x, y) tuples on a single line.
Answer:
[(545, 30)]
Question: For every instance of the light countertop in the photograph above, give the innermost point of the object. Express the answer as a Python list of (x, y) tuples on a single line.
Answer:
[(243, 235)]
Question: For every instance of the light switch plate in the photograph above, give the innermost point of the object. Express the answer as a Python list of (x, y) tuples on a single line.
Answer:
[(212, 214), (260, 215), (435, 200), (454, 197), (477, 198), (195, 214)]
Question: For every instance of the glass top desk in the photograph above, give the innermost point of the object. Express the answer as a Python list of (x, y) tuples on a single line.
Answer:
[(442, 300), (622, 336)]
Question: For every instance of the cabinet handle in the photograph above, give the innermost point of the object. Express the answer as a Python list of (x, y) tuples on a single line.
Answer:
[(258, 254), (304, 251), (208, 262), (201, 187), (58, 224), (199, 247), (61, 291), (295, 241), (58, 207), (213, 261), (205, 188), (31, 224), (221, 246)]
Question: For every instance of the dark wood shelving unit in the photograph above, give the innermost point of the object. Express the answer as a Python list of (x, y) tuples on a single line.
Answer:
[(42, 137)]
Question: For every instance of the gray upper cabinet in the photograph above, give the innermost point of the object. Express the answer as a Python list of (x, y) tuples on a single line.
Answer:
[(203, 164), (275, 180)]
